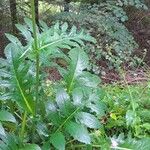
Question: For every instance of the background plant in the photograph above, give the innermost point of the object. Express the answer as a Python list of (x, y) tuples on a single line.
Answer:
[(105, 20)]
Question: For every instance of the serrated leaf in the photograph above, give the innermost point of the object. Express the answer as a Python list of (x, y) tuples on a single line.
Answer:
[(88, 79), (79, 62), (88, 120), (79, 132), (58, 140), (13, 39), (98, 107), (73, 30), (77, 96), (24, 31), (43, 25), (6, 116), (143, 144), (61, 97)]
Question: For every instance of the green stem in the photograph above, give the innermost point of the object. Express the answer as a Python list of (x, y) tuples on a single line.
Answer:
[(36, 49), (23, 126), (67, 119)]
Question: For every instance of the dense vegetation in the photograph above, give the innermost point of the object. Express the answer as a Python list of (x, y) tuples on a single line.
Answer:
[(76, 111)]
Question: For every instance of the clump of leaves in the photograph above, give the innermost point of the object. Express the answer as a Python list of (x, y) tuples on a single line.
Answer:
[(75, 107)]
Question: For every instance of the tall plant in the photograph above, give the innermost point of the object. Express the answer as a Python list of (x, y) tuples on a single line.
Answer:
[(73, 108)]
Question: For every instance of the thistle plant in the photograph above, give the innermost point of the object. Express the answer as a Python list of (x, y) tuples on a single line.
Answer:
[(29, 118)]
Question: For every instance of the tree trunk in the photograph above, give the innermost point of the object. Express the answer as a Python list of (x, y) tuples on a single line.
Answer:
[(13, 11), (66, 5), (36, 3)]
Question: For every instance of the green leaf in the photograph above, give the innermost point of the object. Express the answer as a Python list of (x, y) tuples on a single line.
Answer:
[(46, 146), (98, 107), (42, 129), (130, 118), (31, 147), (146, 126), (13, 39), (77, 95), (20, 80), (64, 27), (79, 132), (88, 119), (6, 116), (88, 79), (58, 140), (79, 62), (43, 25), (29, 24), (143, 144), (2, 130), (61, 97), (24, 31)]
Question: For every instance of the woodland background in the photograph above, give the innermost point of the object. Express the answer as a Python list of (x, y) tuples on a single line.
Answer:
[(13, 11)]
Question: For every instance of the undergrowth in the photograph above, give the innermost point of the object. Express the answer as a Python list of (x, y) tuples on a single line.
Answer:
[(75, 112)]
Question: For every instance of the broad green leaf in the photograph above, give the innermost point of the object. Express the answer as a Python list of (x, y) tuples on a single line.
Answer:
[(64, 103), (6, 116), (58, 140), (77, 95), (98, 107), (55, 118), (88, 120), (88, 79), (79, 132), (79, 62), (61, 97)]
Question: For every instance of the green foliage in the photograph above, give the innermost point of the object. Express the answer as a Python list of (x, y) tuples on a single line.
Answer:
[(106, 22), (67, 112), (119, 100)]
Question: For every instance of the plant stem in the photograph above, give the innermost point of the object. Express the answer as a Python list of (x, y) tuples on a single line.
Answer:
[(67, 120), (23, 126), (36, 50)]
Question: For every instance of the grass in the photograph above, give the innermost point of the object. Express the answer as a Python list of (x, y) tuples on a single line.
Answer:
[(118, 100)]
